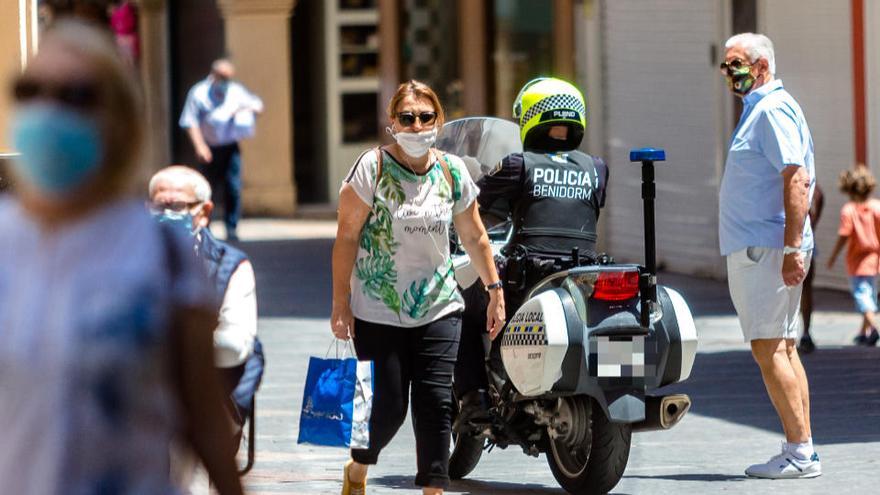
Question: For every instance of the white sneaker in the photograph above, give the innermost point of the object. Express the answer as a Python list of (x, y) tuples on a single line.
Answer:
[(786, 466)]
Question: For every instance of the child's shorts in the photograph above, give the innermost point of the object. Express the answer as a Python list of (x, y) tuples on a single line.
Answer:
[(864, 291)]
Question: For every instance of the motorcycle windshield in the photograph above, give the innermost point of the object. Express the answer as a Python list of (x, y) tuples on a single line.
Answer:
[(480, 141)]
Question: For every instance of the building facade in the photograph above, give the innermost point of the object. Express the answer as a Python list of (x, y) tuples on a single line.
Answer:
[(648, 68)]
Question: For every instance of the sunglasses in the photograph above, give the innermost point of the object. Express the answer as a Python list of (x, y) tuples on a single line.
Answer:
[(408, 118), (733, 65), (81, 95), (175, 206)]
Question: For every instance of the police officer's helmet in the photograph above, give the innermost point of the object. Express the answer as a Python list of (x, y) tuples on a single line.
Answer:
[(546, 102)]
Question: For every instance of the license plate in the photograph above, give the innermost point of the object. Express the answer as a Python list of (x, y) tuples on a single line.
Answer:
[(618, 356)]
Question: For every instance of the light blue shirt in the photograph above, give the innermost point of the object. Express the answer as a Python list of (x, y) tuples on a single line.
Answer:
[(772, 134), (220, 116)]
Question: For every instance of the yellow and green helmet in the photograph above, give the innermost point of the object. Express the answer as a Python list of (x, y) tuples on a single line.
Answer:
[(548, 101)]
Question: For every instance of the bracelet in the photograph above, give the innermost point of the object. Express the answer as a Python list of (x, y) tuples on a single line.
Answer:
[(494, 285)]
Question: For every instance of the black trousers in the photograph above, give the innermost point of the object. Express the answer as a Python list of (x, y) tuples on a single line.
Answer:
[(417, 361), (476, 347), (224, 175)]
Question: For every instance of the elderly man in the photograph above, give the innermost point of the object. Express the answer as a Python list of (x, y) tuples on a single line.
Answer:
[(765, 233), (180, 193), (219, 113)]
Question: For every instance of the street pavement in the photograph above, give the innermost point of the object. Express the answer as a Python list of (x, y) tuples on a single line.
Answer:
[(730, 425)]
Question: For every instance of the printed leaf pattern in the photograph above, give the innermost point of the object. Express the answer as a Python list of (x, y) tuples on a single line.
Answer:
[(455, 172), (391, 188), (377, 271), (422, 295)]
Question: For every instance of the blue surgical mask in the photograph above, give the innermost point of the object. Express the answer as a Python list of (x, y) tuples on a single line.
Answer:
[(218, 89), (60, 148), (182, 221)]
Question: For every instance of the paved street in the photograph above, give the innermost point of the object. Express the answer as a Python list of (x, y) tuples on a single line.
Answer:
[(730, 425)]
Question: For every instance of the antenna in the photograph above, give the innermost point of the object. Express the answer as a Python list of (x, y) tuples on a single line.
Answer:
[(648, 280)]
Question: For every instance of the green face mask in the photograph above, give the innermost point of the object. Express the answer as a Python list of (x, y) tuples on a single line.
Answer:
[(740, 80)]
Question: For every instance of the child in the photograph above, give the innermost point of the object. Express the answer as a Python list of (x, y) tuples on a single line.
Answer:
[(859, 219)]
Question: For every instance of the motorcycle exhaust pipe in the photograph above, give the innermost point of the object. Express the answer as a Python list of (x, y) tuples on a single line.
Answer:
[(663, 412)]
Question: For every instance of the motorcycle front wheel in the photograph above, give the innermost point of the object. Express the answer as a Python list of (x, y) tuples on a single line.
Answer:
[(465, 452), (590, 457)]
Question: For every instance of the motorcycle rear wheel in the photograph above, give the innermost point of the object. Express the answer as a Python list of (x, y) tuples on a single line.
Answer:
[(594, 466)]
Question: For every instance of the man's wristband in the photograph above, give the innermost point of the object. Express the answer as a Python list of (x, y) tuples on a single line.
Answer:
[(790, 250), (494, 285)]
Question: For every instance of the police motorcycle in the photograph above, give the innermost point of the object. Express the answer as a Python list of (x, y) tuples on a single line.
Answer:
[(585, 356)]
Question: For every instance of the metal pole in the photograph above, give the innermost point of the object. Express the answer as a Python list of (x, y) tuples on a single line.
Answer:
[(648, 282)]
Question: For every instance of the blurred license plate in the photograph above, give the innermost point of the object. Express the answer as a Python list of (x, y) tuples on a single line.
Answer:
[(619, 356)]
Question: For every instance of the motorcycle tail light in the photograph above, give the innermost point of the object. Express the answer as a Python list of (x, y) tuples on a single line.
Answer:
[(616, 286)]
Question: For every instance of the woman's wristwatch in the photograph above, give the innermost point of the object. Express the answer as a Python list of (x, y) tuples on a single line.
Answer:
[(494, 285), (786, 250)]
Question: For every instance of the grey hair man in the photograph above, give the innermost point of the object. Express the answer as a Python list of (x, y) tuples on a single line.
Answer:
[(184, 195), (765, 234)]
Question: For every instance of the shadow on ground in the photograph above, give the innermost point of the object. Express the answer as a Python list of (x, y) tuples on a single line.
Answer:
[(844, 384), (293, 277), (471, 487), (689, 477), (293, 280), (708, 297)]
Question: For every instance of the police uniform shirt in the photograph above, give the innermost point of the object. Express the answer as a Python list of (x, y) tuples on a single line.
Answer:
[(553, 198)]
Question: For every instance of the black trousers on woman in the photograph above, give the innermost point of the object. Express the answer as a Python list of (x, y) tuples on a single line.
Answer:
[(418, 361)]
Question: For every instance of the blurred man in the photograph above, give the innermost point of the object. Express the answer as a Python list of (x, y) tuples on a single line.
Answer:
[(181, 195), (765, 233), (180, 191), (219, 113)]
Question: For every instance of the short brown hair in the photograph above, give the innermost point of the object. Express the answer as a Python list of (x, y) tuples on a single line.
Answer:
[(419, 90), (858, 184)]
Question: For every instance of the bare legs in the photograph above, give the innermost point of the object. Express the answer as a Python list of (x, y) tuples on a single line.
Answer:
[(786, 383)]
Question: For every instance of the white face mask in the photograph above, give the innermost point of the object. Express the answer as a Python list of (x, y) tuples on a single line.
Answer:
[(415, 144)]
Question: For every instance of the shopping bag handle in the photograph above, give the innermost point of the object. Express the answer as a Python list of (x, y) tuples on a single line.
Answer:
[(345, 349)]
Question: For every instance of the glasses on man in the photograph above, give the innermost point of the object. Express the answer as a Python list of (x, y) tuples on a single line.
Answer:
[(733, 65), (80, 95), (409, 118), (175, 206)]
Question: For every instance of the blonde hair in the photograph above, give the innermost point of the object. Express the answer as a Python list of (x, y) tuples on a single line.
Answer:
[(120, 113), (858, 183), (417, 89)]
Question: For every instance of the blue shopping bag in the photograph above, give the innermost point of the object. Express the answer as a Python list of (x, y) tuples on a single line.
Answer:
[(337, 403)]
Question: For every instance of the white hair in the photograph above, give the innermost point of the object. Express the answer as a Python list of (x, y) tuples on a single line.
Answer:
[(757, 46), (180, 175)]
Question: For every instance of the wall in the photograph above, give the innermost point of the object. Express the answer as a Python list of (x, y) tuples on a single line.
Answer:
[(662, 89), (812, 40)]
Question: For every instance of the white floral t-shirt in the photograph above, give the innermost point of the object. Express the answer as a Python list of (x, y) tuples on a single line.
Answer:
[(403, 274)]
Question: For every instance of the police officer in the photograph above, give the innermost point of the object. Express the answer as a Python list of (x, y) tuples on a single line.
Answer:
[(552, 192)]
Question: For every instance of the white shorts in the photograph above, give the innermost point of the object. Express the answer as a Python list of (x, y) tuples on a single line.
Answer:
[(766, 307)]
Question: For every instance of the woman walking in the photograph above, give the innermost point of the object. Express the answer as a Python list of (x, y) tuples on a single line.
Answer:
[(394, 290)]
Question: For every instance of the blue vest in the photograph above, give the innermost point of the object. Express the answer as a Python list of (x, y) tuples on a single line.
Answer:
[(221, 260)]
